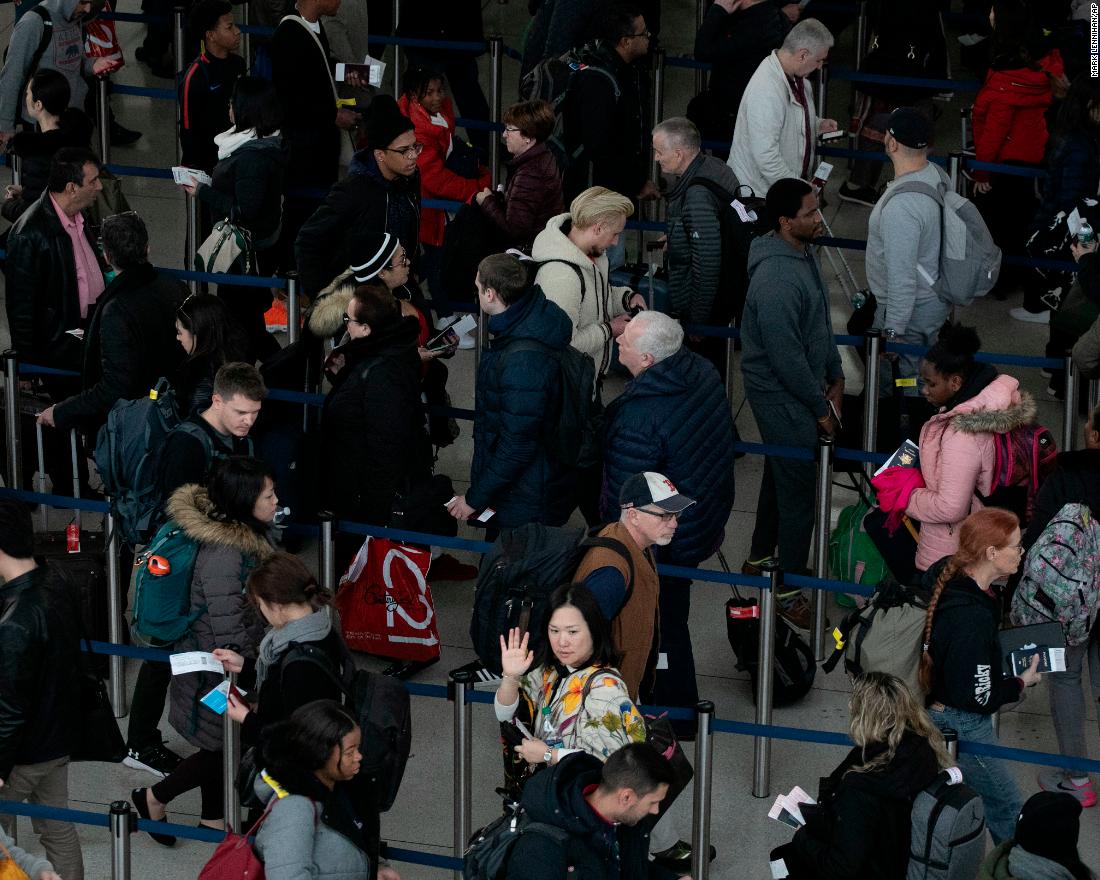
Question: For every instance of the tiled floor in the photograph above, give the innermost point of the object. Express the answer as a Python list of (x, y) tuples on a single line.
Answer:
[(421, 818)]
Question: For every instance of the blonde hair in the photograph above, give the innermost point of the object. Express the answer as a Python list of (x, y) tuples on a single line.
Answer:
[(598, 204), (883, 709)]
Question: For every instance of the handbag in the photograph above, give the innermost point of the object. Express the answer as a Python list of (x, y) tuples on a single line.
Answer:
[(420, 508), (660, 735), (463, 160), (227, 246), (234, 858), (9, 869)]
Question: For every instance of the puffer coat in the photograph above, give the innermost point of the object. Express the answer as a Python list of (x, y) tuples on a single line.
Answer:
[(227, 552)]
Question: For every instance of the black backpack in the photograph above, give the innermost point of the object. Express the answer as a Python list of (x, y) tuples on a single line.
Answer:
[(737, 235), (907, 40), (487, 854), (381, 705), (793, 669), (518, 574)]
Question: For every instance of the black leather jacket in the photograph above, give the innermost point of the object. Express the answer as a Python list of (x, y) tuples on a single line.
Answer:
[(39, 688), (41, 293)]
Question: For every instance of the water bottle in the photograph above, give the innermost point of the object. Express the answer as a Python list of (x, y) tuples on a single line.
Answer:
[(859, 300), (549, 732), (281, 516), (1085, 235)]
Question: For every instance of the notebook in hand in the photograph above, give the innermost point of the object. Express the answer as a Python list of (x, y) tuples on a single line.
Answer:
[(1021, 643)]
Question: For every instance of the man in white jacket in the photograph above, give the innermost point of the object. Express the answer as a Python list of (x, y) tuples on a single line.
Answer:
[(777, 122)]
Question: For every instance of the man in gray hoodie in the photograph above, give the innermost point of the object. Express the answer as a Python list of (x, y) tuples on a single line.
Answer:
[(793, 378), (64, 52)]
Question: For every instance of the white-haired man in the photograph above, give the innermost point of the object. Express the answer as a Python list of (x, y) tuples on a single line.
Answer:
[(672, 419), (777, 123)]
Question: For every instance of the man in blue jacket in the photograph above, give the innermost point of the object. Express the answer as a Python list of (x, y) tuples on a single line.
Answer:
[(793, 379), (674, 419), (514, 473)]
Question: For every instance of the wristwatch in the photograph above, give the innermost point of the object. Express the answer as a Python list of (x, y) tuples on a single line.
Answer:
[(547, 755)]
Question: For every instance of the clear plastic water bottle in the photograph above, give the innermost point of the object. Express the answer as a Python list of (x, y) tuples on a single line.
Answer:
[(859, 299), (1085, 235)]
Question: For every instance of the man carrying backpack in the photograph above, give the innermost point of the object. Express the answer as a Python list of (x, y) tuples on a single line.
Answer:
[(514, 478)]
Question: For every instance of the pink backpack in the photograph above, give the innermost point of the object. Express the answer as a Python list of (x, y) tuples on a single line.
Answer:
[(1025, 456)]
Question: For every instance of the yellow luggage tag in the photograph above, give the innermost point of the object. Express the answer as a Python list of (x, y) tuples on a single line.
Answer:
[(906, 382), (345, 102), (838, 637)]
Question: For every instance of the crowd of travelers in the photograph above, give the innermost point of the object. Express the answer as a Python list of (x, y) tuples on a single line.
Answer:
[(293, 168)]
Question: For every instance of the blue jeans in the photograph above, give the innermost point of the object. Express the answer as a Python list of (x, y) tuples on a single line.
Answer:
[(989, 777)]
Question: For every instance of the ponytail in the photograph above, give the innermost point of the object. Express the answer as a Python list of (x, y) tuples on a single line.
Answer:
[(924, 673)]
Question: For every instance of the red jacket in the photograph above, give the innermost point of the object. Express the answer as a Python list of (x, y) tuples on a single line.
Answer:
[(436, 180), (1009, 114)]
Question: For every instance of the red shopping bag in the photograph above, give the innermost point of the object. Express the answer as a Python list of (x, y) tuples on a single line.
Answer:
[(101, 39), (385, 603)]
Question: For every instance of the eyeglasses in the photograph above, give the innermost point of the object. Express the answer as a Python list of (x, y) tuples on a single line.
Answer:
[(411, 151), (645, 34), (662, 515), (510, 129), (400, 264), (348, 319)]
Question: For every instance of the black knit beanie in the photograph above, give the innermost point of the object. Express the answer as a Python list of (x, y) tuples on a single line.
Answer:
[(385, 123)]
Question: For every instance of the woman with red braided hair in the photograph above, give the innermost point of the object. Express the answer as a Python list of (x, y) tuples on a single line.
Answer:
[(961, 664)]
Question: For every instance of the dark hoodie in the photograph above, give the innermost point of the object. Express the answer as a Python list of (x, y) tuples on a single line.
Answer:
[(372, 428), (513, 471), (363, 203), (1075, 480), (967, 663), (862, 828), (788, 353), (37, 149), (598, 850), (247, 186)]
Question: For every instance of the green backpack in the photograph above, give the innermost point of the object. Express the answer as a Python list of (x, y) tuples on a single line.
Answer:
[(853, 556), (162, 589)]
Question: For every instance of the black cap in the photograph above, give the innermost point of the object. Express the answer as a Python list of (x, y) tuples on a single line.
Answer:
[(910, 127), (1048, 826), (385, 122), (652, 489)]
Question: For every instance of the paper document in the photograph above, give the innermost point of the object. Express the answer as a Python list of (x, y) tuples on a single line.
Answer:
[(371, 70), (195, 661), (183, 175), (907, 456), (786, 807), (218, 699)]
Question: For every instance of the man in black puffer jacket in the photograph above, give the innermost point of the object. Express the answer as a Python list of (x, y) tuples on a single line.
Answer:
[(513, 471), (674, 419), (604, 811), (39, 691)]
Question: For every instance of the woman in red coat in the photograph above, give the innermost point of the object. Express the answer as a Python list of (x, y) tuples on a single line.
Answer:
[(1010, 127), (425, 102)]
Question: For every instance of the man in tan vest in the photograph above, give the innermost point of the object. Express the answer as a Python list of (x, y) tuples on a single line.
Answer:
[(627, 591)]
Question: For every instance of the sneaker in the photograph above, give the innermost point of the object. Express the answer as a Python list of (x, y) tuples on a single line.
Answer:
[(158, 760), (1022, 314), (447, 568), (859, 195), (752, 567), (478, 671), (1056, 780), (799, 613), (1045, 373), (677, 858)]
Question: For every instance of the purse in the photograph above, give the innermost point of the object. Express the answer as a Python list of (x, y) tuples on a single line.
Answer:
[(463, 160), (234, 858), (227, 246), (9, 870)]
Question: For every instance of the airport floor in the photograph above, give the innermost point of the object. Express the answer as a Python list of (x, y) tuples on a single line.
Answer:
[(422, 816)]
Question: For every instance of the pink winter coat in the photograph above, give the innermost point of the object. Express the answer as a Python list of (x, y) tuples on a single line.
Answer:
[(957, 460)]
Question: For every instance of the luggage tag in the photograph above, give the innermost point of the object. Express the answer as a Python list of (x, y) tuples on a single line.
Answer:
[(905, 382), (838, 637), (218, 699)]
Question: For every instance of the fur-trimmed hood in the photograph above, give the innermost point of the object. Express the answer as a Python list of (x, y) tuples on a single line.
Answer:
[(326, 316), (190, 508), (998, 408)]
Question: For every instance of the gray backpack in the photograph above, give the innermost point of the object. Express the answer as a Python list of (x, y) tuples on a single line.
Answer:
[(948, 837), (969, 260)]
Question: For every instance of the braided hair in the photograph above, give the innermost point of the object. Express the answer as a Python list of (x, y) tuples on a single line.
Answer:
[(990, 527)]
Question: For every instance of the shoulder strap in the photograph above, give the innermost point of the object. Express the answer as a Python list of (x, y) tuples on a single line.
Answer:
[(913, 186), (616, 546), (716, 189), (577, 269), (558, 835), (191, 429), (596, 68), (39, 51), (320, 48), (297, 652)]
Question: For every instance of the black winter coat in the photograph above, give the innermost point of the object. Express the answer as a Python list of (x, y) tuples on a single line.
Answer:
[(596, 850), (247, 187), (531, 198), (36, 149), (863, 826), (130, 343), (362, 204), (674, 419), (373, 439), (39, 659), (1076, 479), (968, 666), (512, 471), (40, 291), (1073, 172)]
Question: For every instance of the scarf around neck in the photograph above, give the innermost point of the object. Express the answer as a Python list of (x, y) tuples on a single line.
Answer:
[(231, 140), (311, 628)]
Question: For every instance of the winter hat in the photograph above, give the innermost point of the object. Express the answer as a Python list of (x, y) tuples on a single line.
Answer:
[(16, 530), (378, 251), (655, 489), (910, 127), (1049, 825), (385, 123)]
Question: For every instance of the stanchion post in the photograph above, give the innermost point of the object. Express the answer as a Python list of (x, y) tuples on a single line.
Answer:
[(103, 119), (479, 341), (870, 398), (951, 740), (496, 109), (658, 62), (122, 822), (326, 551), (16, 169), (11, 418), (700, 11), (731, 367), (178, 13), (231, 759), (821, 539), (765, 658), (1069, 408), (192, 237), (1094, 394), (954, 164), (293, 308), (116, 601), (246, 37), (396, 51), (39, 478), (462, 681), (823, 92), (73, 451), (703, 792), (861, 33)]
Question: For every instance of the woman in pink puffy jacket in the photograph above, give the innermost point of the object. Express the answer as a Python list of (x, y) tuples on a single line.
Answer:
[(957, 454)]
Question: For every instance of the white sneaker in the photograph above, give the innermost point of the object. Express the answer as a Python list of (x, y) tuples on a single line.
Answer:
[(466, 342), (1022, 314)]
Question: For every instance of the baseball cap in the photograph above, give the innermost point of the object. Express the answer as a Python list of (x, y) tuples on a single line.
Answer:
[(910, 127), (649, 488)]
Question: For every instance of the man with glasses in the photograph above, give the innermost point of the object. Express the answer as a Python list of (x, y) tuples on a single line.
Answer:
[(672, 419), (380, 194)]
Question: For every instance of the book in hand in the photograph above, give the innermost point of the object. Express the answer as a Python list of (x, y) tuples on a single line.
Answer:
[(787, 807), (1020, 644), (370, 71), (448, 336), (184, 175), (907, 456)]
